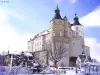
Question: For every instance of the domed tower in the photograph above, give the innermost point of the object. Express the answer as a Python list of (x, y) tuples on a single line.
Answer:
[(78, 32), (77, 27), (77, 41)]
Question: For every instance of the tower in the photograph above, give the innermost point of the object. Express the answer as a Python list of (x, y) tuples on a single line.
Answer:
[(78, 31), (58, 36), (79, 34), (57, 26), (77, 41), (77, 27)]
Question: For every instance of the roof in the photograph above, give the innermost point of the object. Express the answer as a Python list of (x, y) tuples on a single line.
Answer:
[(42, 33), (76, 21), (14, 53), (57, 13), (28, 54)]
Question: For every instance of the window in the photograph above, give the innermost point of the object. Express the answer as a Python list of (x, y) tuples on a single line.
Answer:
[(53, 34), (76, 27), (61, 33), (53, 21), (28, 47), (28, 42), (60, 22), (30, 58), (82, 41), (82, 46), (73, 43), (76, 33)]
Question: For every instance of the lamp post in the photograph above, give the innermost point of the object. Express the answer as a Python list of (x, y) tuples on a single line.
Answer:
[(85, 68), (89, 69), (97, 69), (93, 69), (76, 69)]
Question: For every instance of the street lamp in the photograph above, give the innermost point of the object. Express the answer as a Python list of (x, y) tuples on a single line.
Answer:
[(82, 57)]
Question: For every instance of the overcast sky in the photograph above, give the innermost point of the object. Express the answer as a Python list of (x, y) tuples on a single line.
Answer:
[(21, 19)]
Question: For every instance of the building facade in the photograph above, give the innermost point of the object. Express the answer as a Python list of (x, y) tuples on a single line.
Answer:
[(61, 34)]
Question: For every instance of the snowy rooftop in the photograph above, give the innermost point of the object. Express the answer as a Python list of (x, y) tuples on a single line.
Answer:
[(19, 53), (28, 54)]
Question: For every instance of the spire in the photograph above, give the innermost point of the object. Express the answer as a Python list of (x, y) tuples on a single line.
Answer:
[(57, 13), (76, 21), (8, 51), (75, 14), (65, 16), (57, 7)]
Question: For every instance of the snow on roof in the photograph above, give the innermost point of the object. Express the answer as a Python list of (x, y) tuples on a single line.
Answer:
[(15, 53), (42, 33), (28, 54), (70, 72)]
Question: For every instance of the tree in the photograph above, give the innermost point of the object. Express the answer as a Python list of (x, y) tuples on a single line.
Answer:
[(56, 52), (33, 56)]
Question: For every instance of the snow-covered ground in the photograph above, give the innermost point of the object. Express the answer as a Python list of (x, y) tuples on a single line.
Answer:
[(18, 70)]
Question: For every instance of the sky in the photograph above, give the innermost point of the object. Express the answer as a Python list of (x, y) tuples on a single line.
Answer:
[(20, 20)]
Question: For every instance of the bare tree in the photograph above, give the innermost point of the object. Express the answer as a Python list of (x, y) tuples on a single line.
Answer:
[(56, 52)]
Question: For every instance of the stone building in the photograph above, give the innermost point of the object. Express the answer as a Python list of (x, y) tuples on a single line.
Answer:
[(61, 33)]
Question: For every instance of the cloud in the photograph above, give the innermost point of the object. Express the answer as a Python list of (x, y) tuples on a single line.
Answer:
[(9, 38), (2, 15), (94, 47), (91, 19), (12, 40), (72, 1)]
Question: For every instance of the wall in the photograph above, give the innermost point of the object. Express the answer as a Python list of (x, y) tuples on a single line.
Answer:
[(30, 45), (87, 50), (37, 45), (78, 30), (75, 47)]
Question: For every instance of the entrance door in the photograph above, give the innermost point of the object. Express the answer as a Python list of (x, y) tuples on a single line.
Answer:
[(72, 62)]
